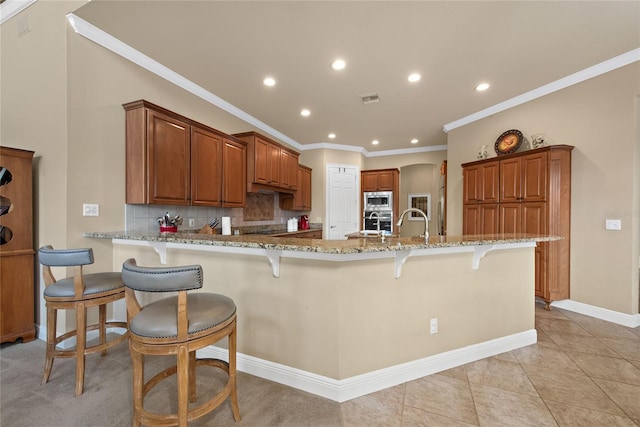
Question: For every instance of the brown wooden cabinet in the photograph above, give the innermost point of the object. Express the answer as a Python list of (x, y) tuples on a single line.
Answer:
[(481, 183), (481, 218), (301, 199), (16, 246), (234, 173), (270, 166), (534, 197), (173, 160), (380, 180), (524, 178), (289, 169)]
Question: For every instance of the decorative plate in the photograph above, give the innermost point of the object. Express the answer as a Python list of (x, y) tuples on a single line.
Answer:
[(508, 142)]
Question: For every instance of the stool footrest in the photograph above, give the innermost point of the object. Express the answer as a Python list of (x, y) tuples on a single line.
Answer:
[(147, 417)]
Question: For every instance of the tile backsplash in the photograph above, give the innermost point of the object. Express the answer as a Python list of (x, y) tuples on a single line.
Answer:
[(144, 218)]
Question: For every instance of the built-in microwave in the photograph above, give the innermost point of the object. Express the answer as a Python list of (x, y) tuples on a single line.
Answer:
[(378, 201)]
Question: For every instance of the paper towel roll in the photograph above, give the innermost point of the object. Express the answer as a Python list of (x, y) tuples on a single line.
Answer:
[(226, 226)]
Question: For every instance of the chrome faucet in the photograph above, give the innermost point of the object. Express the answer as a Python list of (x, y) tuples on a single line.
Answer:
[(426, 221), (377, 220)]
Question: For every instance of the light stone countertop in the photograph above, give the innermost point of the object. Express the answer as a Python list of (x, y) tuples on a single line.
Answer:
[(350, 246)]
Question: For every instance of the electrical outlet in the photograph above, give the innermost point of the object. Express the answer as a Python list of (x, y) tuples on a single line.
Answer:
[(90, 210), (434, 326), (613, 224), (192, 222)]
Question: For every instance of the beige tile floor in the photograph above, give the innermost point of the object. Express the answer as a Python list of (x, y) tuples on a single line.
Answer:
[(582, 372)]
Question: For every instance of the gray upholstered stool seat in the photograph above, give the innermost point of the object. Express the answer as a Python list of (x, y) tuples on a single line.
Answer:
[(79, 292), (159, 319), (95, 283), (178, 325)]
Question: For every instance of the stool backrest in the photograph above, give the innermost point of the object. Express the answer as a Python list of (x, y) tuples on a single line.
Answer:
[(50, 257), (161, 279), (64, 257)]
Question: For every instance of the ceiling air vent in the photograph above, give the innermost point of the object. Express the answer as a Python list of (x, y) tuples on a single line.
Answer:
[(370, 98)]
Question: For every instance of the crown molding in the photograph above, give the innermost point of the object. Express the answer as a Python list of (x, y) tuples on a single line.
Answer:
[(111, 43), (104, 39), (11, 8), (570, 80)]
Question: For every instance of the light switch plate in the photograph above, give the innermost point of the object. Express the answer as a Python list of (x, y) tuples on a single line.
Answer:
[(90, 209), (613, 224)]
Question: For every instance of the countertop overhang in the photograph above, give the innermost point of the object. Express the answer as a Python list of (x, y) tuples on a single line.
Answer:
[(399, 248)]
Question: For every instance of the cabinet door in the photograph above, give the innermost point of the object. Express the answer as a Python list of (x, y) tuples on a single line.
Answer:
[(480, 219), (534, 177), (510, 218), (302, 198), (490, 182), (481, 183), (168, 159), (534, 218), (489, 219), (386, 181), (289, 170), (470, 219), (262, 161), (206, 168), (510, 180), (369, 181), (273, 168), (472, 182), (234, 167)]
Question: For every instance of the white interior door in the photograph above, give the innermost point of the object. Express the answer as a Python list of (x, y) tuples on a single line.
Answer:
[(343, 201)]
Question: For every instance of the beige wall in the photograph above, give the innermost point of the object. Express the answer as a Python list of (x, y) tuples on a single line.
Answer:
[(34, 114), (600, 118), (342, 319)]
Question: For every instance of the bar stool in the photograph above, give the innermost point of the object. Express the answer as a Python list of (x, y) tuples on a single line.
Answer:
[(177, 325), (78, 293)]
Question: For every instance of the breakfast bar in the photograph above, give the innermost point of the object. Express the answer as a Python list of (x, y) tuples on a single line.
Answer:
[(343, 318)]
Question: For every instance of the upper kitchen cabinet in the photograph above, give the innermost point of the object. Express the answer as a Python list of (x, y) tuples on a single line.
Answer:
[(173, 160), (270, 166), (289, 169), (234, 178), (301, 199), (380, 180)]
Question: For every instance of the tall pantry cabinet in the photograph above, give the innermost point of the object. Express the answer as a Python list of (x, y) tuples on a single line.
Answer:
[(16, 246), (530, 193)]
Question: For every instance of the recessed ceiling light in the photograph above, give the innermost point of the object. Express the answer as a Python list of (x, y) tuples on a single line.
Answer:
[(414, 141), (482, 87), (305, 112), (414, 77), (338, 64), (375, 142), (332, 136), (269, 81)]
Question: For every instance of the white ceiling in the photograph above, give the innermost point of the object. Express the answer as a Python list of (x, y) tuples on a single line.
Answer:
[(229, 47)]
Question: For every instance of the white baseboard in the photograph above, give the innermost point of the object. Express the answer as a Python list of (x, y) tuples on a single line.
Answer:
[(629, 320), (350, 388)]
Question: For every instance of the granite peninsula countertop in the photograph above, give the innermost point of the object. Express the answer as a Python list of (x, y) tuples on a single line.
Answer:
[(301, 244)]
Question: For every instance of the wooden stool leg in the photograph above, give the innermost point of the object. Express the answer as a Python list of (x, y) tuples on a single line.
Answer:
[(192, 376), (232, 375), (137, 363), (81, 341), (52, 318), (102, 320), (183, 385)]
